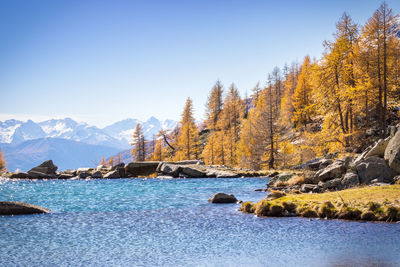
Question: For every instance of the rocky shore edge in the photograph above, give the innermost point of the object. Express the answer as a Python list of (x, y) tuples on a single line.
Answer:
[(157, 169), (363, 187)]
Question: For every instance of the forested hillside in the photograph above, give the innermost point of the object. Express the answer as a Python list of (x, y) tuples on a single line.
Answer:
[(340, 102)]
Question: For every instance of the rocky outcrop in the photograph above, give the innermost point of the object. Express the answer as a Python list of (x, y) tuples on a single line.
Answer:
[(374, 168), (392, 153), (335, 170), (222, 198), (144, 168), (45, 170), (350, 179), (20, 208), (112, 174)]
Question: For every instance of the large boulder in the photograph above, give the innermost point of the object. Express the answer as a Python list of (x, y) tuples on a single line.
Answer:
[(169, 169), (350, 179), (66, 176), (222, 198), (97, 174), (193, 172), (335, 170), (45, 170), (392, 153), (378, 149), (143, 168), (331, 184), (374, 168), (19, 208)]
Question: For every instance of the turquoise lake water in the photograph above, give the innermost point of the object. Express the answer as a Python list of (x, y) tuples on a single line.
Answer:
[(151, 222)]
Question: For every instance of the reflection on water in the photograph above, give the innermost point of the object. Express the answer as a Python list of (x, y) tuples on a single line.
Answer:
[(169, 223)]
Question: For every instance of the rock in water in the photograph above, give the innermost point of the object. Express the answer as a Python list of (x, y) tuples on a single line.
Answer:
[(222, 198), (20, 208), (45, 170)]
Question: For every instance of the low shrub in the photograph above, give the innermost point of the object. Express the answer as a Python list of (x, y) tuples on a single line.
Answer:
[(276, 210), (248, 207), (309, 213), (327, 210), (368, 216), (262, 208), (289, 206), (392, 213), (373, 206), (349, 213)]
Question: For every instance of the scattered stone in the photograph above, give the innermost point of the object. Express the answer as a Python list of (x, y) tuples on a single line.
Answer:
[(306, 188), (222, 198), (20, 208), (97, 174), (193, 172), (83, 175), (350, 179), (112, 174), (65, 176), (20, 175), (335, 170), (334, 183), (281, 177)]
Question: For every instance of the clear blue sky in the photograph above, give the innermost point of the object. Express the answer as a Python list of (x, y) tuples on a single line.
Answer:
[(101, 61)]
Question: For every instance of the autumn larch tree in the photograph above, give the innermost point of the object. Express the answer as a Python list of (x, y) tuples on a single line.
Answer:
[(3, 167), (188, 138), (138, 151)]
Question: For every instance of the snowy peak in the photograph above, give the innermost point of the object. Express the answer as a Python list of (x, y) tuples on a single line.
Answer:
[(117, 135)]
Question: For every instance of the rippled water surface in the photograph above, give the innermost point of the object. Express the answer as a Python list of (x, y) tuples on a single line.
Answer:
[(136, 222)]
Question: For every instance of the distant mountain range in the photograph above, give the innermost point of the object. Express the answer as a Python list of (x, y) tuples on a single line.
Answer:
[(68, 143)]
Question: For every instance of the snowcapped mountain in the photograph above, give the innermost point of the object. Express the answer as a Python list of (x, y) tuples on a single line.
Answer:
[(117, 135), (69, 142), (123, 130)]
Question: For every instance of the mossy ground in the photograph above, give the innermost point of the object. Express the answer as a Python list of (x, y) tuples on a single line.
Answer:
[(370, 203)]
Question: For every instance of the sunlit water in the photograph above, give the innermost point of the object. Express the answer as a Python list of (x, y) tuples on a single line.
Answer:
[(136, 222)]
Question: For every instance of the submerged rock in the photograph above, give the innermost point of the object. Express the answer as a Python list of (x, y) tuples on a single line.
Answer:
[(20, 208), (222, 198)]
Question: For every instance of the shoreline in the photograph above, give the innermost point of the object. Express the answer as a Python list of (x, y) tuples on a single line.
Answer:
[(366, 203)]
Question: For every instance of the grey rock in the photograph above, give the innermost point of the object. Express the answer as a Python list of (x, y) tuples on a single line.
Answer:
[(170, 169), (83, 175), (112, 174), (193, 172), (73, 172), (41, 175), (374, 168), (101, 168), (335, 170), (45, 170), (143, 168), (350, 179), (305, 188), (20, 175), (79, 170), (392, 153), (20, 208), (222, 198), (65, 176), (97, 174), (120, 165), (378, 149), (334, 183)]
